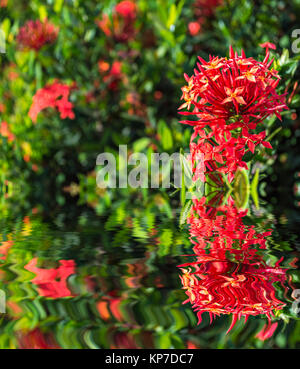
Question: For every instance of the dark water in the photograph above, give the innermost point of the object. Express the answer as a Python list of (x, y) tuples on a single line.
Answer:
[(135, 278)]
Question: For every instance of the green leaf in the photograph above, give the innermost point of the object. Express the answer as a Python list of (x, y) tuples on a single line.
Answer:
[(141, 144), (165, 135), (172, 16), (185, 211)]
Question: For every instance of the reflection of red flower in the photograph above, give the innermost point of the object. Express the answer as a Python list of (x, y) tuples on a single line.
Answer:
[(123, 340), (267, 331), (36, 340), (249, 291), (54, 95), (121, 26), (229, 276), (52, 282), (4, 248), (35, 34)]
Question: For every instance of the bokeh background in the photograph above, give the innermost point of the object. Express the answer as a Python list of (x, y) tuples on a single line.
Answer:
[(124, 66)]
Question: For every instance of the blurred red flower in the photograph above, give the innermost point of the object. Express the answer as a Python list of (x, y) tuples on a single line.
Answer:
[(121, 25), (35, 34), (54, 95), (5, 132), (112, 75), (194, 28), (205, 9), (126, 8)]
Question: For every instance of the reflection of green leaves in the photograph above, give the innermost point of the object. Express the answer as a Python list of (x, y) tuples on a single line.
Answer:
[(185, 211), (253, 189), (241, 189), (166, 239)]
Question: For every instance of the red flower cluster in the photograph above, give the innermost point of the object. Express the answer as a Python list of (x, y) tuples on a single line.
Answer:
[(5, 132), (52, 282), (229, 276), (35, 34), (54, 95), (112, 75), (127, 9), (3, 3), (121, 25), (230, 97)]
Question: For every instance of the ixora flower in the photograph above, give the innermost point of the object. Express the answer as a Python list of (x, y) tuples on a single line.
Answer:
[(35, 34), (229, 275), (120, 25), (229, 98), (52, 282), (238, 89), (54, 95)]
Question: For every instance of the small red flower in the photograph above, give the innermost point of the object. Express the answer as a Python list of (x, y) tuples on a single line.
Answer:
[(126, 8), (268, 45), (194, 28), (112, 75), (121, 25), (54, 95), (35, 34), (5, 132)]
